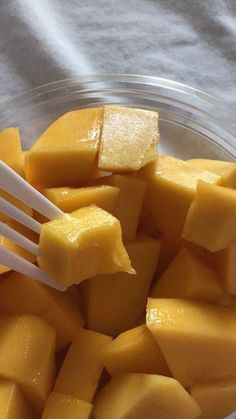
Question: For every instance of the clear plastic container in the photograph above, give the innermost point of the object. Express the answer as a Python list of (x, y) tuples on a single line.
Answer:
[(192, 123)]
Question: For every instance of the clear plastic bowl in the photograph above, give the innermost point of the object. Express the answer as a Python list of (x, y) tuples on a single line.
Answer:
[(192, 123)]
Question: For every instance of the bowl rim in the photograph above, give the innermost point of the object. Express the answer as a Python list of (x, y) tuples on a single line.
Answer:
[(190, 107), (120, 77)]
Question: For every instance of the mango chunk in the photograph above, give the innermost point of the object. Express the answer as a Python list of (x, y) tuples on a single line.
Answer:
[(211, 220), (10, 149), (226, 263), (226, 170), (129, 139), (27, 346), (113, 303), (216, 399), (188, 276), (78, 246), (66, 152), (172, 185), (12, 402), (8, 244), (71, 199), (134, 351), (62, 406), (22, 295), (139, 396), (129, 203), (16, 203), (228, 179), (82, 367), (215, 166), (198, 340)]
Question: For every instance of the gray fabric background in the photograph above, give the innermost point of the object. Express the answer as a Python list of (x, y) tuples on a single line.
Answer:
[(191, 41)]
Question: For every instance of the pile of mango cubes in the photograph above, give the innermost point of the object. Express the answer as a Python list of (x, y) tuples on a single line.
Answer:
[(146, 248)]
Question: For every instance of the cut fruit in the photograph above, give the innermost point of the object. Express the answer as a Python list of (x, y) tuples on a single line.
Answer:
[(129, 139), (134, 351), (228, 179), (226, 170), (113, 303), (27, 346), (66, 152), (216, 399), (198, 340), (8, 244), (82, 368), (215, 166), (62, 406), (139, 396), (171, 187), (12, 402), (129, 203), (71, 199), (22, 295), (226, 263), (16, 203), (211, 220), (188, 276), (78, 246), (10, 149)]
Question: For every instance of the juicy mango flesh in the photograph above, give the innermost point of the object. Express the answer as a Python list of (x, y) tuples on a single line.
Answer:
[(61, 406), (140, 396), (171, 187), (129, 138), (197, 339), (169, 222), (13, 404), (69, 241), (217, 399)]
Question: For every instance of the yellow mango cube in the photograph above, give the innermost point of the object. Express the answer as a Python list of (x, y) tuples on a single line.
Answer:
[(10, 149), (211, 220), (129, 138), (62, 406), (78, 246), (226, 170), (16, 203), (22, 295), (216, 399), (129, 396), (172, 185), (8, 244), (12, 402), (134, 351), (169, 249), (113, 303), (71, 199), (215, 166), (188, 276), (129, 203), (82, 367), (66, 152), (228, 179), (226, 263), (27, 346), (198, 340)]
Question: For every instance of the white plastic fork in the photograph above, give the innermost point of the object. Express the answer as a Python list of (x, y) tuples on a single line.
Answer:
[(16, 186)]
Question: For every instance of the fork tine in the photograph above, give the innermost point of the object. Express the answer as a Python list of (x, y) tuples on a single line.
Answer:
[(18, 238), (14, 184), (21, 265), (11, 211)]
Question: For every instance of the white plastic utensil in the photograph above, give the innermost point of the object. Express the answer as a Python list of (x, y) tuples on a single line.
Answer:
[(16, 186)]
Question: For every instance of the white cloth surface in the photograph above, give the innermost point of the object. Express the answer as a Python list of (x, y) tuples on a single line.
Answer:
[(190, 41)]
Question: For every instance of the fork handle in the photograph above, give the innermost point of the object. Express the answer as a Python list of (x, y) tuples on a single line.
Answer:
[(13, 261), (14, 184)]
